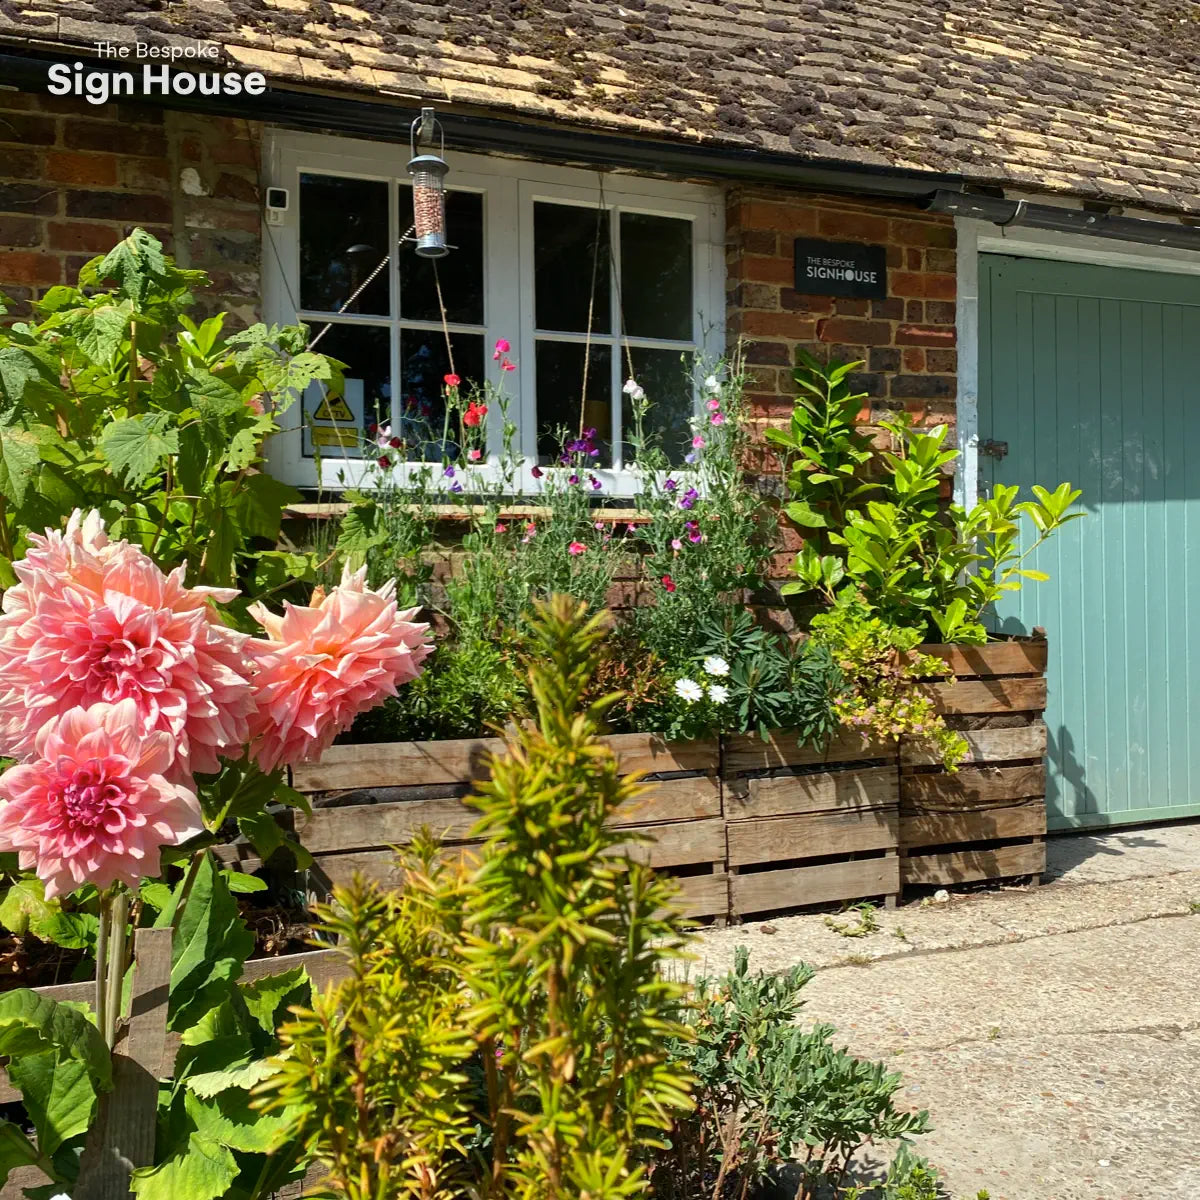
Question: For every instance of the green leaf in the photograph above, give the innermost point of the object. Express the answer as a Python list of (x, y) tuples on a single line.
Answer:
[(259, 505), (243, 1073), (16, 1150), (362, 529), (804, 515), (33, 1024), (241, 884), (18, 368), (1036, 576), (19, 458), (103, 331), (267, 837), (269, 998), (203, 1170), (211, 945), (134, 447), (227, 1119), (59, 1097), (25, 909)]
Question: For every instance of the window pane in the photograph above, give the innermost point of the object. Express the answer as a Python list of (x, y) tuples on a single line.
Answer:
[(460, 272), (337, 425), (424, 365), (559, 391), (656, 276), (570, 249), (343, 237), (665, 377)]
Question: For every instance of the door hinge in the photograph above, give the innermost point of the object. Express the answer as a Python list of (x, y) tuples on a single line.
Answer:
[(993, 449)]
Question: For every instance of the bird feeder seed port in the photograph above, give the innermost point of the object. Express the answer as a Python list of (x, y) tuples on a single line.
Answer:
[(428, 173)]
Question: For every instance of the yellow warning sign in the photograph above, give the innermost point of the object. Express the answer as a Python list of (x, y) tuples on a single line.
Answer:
[(328, 435), (333, 408)]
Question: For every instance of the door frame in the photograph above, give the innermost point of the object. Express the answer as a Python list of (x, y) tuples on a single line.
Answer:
[(982, 237)]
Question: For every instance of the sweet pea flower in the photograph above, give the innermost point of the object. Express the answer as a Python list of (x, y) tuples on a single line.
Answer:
[(576, 548), (395, 443), (501, 527), (502, 347), (94, 804), (456, 487), (676, 544), (712, 384), (537, 472), (449, 472), (713, 404), (474, 414), (596, 484), (668, 583), (383, 435), (384, 461), (474, 455), (451, 380), (323, 663), (633, 391), (698, 442), (572, 478), (670, 485), (690, 458), (508, 365), (718, 418)]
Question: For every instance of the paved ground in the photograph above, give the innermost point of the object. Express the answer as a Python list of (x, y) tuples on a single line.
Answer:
[(1053, 1034)]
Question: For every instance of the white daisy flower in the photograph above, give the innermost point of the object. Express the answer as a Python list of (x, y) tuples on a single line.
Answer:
[(689, 690), (718, 693), (714, 664)]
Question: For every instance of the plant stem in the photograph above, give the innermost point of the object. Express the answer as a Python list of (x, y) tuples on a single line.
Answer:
[(115, 973), (102, 960)]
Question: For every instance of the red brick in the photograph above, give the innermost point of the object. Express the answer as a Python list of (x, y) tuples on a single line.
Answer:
[(20, 231), (944, 362), (918, 335), (912, 259), (923, 233), (236, 187), (795, 301), (779, 324), (768, 354), (119, 206), (891, 309), (235, 153), (82, 235), (67, 166), (857, 226), (27, 130), (21, 164), (116, 139), (853, 329), (914, 310), (761, 269), (29, 266), (924, 386), (37, 198), (940, 312), (780, 218), (145, 174), (914, 358), (923, 283), (867, 383), (755, 296), (883, 358), (941, 260), (851, 306), (895, 258), (759, 241)]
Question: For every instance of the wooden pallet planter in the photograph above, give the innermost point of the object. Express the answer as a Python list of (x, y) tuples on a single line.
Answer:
[(987, 820), (368, 798), (808, 827)]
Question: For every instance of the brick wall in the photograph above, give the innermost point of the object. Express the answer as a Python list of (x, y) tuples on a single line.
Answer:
[(75, 178), (906, 341)]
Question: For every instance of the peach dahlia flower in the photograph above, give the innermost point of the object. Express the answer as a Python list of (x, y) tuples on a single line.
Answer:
[(95, 620), (323, 664), (94, 805)]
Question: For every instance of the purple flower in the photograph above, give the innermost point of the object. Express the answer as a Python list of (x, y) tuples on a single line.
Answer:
[(456, 487), (572, 478), (695, 536), (689, 498), (596, 484), (690, 458), (537, 472), (449, 472), (670, 485)]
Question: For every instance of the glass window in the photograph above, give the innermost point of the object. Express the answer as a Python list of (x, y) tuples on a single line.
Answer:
[(424, 365), (460, 273), (560, 391), (656, 277), (343, 238), (334, 426), (572, 266)]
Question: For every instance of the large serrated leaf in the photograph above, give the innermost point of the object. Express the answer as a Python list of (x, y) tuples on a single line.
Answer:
[(34, 1024), (227, 1119), (59, 1097), (203, 1170), (135, 447)]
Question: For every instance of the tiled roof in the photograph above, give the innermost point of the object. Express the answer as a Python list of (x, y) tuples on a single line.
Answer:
[(1097, 98)]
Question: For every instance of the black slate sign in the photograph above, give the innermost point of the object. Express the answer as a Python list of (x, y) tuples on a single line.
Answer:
[(841, 269)]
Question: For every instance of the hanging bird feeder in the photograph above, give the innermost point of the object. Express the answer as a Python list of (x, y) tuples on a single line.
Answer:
[(428, 173)]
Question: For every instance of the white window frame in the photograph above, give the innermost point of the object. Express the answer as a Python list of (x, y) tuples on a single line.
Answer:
[(510, 188)]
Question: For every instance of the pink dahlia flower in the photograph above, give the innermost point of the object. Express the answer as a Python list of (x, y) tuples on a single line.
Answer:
[(94, 804), (325, 663), (94, 620)]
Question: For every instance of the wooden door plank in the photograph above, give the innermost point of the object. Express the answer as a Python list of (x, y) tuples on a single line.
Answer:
[(862, 787), (969, 866), (972, 785), (794, 887), (983, 745), (775, 839), (1027, 819)]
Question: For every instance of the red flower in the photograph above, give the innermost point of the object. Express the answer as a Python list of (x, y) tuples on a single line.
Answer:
[(384, 461), (452, 380), (576, 548), (668, 583), (537, 472), (395, 443), (474, 414)]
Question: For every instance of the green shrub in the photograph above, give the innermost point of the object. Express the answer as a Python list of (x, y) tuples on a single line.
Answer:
[(504, 1030), (770, 1094)]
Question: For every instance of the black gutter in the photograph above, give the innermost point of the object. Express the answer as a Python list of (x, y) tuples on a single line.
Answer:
[(384, 121), (1011, 214)]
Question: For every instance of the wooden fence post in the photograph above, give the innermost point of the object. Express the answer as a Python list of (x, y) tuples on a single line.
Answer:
[(122, 1137)]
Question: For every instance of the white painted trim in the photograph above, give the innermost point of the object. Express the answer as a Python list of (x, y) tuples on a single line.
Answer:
[(982, 237), (509, 187)]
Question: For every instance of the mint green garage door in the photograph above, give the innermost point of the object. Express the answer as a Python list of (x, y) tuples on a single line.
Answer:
[(1092, 375)]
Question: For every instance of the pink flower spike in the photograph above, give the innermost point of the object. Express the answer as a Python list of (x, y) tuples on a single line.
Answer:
[(714, 403), (474, 454), (324, 663), (93, 804), (697, 442), (502, 347), (576, 548)]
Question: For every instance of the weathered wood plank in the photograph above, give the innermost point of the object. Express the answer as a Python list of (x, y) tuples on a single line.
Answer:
[(704, 895), (968, 866), (864, 787), (379, 865), (794, 887), (1026, 819), (748, 752), (983, 745), (1026, 694), (996, 658), (972, 786), (679, 845), (372, 826), (775, 839), (394, 764)]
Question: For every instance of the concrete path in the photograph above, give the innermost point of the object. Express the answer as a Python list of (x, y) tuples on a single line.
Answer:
[(1053, 1034)]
